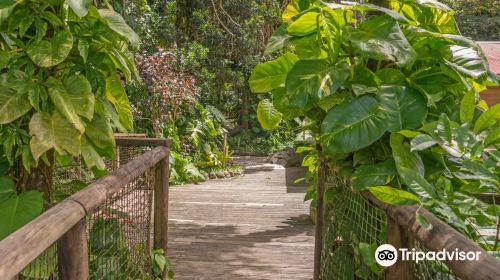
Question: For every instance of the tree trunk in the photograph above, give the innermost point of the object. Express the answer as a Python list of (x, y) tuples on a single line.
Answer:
[(40, 179)]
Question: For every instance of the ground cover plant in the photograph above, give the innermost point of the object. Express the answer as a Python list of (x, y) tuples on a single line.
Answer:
[(391, 97)]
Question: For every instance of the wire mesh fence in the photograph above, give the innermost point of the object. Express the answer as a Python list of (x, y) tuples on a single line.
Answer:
[(119, 231), (350, 220)]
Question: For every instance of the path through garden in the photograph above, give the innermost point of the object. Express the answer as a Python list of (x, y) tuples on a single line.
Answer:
[(252, 227)]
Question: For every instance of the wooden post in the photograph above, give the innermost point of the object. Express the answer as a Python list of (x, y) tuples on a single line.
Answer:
[(73, 253), (161, 205), (397, 237), (318, 231)]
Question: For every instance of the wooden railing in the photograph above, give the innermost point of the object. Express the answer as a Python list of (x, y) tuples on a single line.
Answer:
[(66, 225), (367, 217)]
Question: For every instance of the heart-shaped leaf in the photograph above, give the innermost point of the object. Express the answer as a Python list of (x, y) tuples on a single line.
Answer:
[(381, 38), (394, 196), (49, 53), (53, 132), (64, 104), (80, 95), (117, 95), (404, 108), (272, 74), (13, 104), (373, 175), (18, 210), (307, 82), (304, 25)]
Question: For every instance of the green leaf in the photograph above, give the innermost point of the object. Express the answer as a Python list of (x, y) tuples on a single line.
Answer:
[(64, 104), (116, 22), (100, 133), (487, 119), (308, 82), (278, 40), (493, 136), (53, 132), (423, 221), (282, 103), (467, 61), (404, 108), (272, 74), (422, 142), (392, 195), (380, 37), (403, 156), (116, 95), (269, 118), (18, 210), (373, 175), (50, 53), (13, 104), (90, 155), (7, 4), (80, 95), (304, 25), (6, 188), (467, 107), (83, 49), (4, 58), (353, 125), (78, 6)]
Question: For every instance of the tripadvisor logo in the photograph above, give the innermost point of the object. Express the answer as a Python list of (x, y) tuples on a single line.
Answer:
[(386, 255)]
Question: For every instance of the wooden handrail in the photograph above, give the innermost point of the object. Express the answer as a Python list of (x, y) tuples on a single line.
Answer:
[(23, 246), (441, 236), (141, 141)]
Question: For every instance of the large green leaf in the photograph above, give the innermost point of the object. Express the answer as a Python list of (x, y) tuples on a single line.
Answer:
[(100, 133), (53, 132), (467, 107), (116, 22), (49, 53), (18, 210), (381, 38), (488, 119), (304, 25), (370, 7), (467, 61), (6, 188), (353, 125), (278, 40), (394, 196), (64, 104), (373, 175), (90, 155), (404, 108), (307, 82), (282, 103), (272, 74), (117, 95), (422, 142), (78, 6), (269, 118), (13, 103), (80, 95)]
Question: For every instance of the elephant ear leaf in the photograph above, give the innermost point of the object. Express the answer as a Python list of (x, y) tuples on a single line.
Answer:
[(53, 131), (267, 115), (381, 38), (17, 210), (403, 107), (272, 74), (115, 93), (13, 103), (353, 125), (50, 53)]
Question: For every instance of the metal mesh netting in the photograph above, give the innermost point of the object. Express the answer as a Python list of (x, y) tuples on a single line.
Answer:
[(349, 220), (119, 231)]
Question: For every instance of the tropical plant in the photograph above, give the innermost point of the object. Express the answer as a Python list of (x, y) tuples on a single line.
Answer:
[(391, 95), (62, 63)]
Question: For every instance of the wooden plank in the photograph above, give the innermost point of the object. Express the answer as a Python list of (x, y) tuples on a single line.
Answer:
[(96, 193), (140, 135), (142, 141), (440, 237), (161, 205), (73, 253), (23, 246)]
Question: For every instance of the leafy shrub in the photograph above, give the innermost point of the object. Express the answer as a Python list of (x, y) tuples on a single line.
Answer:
[(392, 98), (478, 19)]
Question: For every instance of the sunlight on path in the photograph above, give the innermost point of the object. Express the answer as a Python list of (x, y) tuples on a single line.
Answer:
[(252, 227)]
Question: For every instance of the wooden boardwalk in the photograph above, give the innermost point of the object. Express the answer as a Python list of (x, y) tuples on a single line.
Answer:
[(252, 227)]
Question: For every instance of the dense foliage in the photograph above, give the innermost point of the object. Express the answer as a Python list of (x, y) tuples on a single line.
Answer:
[(391, 95), (61, 95)]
